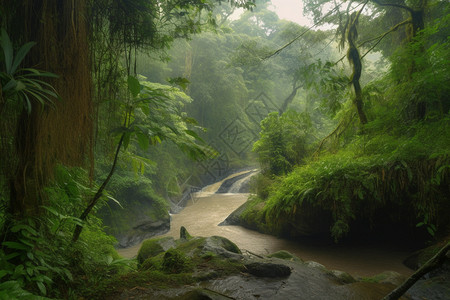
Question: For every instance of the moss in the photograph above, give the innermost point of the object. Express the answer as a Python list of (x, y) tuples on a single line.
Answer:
[(174, 261), (190, 245), (151, 279), (151, 248), (282, 254), (253, 216)]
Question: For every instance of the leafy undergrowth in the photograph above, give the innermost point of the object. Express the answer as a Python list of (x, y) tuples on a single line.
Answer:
[(403, 178)]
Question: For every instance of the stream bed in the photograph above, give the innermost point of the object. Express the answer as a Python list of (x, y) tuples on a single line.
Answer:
[(207, 209)]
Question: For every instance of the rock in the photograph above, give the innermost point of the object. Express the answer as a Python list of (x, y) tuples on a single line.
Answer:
[(153, 247), (434, 285), (308, 220), (221, 246), (203, 294), (224, 188), (266, 269), (315, 265), (283, 254), (142, 230), (234, 217), (435, 288), (391, 277), (184, 234), (342, 276)]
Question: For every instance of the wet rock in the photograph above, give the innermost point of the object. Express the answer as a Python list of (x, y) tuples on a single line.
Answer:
[(235, 217), (264, 269), (391, 277), (202, 294), (226, 185), (213, 268), (435, 288), (283, 254), (315, 265), (303, 283), (434, 285), (342, 276)]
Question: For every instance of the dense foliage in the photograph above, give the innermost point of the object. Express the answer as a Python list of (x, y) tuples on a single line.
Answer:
[(390, 175)]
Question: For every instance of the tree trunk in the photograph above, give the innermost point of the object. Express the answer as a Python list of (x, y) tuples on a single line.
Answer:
[(62, 134)]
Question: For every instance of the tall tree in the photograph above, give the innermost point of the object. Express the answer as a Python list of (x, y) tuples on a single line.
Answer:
[(63, 134)]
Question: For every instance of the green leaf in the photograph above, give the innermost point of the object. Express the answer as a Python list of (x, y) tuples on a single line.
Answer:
[(10, 85), (360, 195), (51, 210), (41, 287), (126, 140), (19, 227), (6, 44), (3, 273), (133, 85), (420, 224), (115, 200), (30, 255), (143, 140), (180, 81), (15, 245), (20, 55), (12, 255), (68, 274)]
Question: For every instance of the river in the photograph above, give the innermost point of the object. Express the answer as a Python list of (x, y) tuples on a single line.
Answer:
[(207, 209)]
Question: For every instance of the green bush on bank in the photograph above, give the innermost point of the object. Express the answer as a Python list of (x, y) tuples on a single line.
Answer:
[(368, 174)]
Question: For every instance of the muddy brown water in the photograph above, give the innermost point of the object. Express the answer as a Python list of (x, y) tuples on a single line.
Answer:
[(206, 210)]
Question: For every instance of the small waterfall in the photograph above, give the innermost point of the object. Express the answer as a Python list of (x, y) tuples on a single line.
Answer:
[(236, 184), (241, 186)]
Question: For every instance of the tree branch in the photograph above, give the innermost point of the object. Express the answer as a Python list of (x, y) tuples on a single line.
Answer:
[(380, 37), (394, 5), (301, 34), (94, 200), (430, 265)]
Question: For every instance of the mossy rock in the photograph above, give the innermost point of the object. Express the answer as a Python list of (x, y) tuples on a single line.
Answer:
[(283, 254), (343, 277), (174, 262), (225, 243), (391, 277), (184, 234), (153, 247)]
